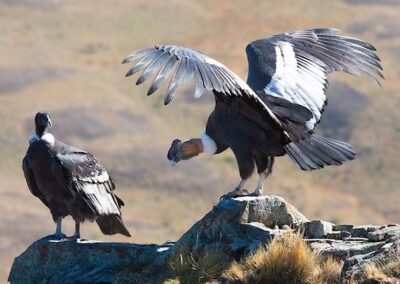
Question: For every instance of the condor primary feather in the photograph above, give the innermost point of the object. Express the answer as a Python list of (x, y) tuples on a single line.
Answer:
[(276, 111)]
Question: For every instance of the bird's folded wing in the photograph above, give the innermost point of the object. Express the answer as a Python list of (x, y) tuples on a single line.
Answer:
[(294, 66), (30, 180), (83, 175), (207, 73)]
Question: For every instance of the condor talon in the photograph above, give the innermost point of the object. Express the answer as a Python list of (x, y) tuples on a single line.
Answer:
[(235, 193)]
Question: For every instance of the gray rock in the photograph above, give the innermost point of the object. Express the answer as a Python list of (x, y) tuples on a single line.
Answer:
[(241, 224), (354, 266), (271, 211), (343, 227), (356, 239), (362, 231), (316, 229), (384, 233), (343, 249), (65, 261), (237, 226), (375, 236), (338, 235)]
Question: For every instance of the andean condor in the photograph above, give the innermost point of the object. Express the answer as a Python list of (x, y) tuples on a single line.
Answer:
[(276, 112), (70, 181)]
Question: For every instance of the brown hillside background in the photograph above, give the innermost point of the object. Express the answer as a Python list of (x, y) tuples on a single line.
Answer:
[(64, 56)]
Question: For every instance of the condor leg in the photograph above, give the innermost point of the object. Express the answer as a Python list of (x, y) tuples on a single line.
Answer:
[(77, 234), (246, 167), (237, 192), (58, 232), (264, 167)]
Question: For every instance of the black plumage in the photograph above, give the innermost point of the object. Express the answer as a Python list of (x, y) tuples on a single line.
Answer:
[(276, 112), (70, 181)]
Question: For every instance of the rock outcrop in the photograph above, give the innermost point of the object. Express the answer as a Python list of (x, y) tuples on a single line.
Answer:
[(50, 260), (240, 225), (236, 226)]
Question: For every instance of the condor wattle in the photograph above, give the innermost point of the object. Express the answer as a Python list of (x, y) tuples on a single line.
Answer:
[(71, 182), (276, 112)]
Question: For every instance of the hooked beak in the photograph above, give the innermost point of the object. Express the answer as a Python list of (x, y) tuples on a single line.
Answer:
[(174, 152)]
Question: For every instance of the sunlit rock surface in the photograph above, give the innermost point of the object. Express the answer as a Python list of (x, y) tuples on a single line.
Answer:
[(236, 226)]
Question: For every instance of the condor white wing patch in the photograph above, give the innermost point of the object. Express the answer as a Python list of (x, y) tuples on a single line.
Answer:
[(299, 80), (82, 174), (295, 66)]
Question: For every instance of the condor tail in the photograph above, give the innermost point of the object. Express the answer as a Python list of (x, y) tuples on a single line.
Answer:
[(316, 152), (112, 224)]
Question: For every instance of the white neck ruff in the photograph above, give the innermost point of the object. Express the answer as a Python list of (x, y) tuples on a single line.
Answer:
[(49, 138), (209, 145)]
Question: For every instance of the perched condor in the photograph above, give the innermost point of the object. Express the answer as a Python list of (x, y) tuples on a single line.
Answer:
[(276, 112), (70, 181)]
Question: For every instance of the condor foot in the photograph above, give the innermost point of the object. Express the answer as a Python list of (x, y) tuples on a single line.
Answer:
[(257, 192), (56, 236), (235, 193)]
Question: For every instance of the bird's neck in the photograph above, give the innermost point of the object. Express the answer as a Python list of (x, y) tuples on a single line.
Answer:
[(42, 134), (40, 131)]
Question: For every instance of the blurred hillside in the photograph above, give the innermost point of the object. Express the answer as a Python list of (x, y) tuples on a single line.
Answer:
[(64, 56)]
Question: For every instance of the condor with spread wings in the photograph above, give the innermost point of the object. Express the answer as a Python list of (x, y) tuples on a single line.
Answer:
[(276, 111)]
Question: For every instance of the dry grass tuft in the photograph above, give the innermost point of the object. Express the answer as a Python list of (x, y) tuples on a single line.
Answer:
[(172, 281), (330, 270), (285, 260), (257, 259), (374, 274), (236, 273), (388, 271), (198, 268), (392, 266)]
